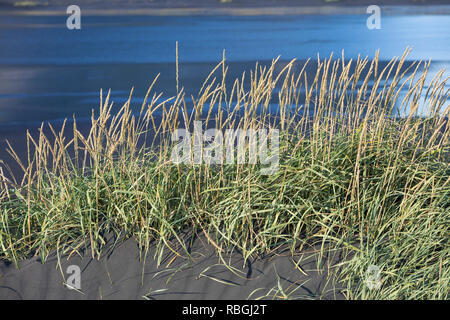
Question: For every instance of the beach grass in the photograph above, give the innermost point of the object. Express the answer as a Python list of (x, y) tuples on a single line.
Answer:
[(363, 170)]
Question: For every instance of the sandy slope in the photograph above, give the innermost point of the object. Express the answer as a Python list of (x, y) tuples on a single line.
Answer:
[(118, 275)]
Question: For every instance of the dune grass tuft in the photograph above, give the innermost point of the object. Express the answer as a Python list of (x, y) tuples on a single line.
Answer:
[(363, 168)]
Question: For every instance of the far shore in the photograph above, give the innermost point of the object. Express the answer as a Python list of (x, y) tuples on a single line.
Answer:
[(406, 9)]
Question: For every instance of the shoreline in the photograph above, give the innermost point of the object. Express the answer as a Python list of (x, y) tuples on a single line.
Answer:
[(405, 9)]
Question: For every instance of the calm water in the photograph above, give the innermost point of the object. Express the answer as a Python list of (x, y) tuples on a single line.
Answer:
[(48, 72)]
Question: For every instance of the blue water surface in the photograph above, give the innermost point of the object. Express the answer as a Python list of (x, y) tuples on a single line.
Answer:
[(48, 72)]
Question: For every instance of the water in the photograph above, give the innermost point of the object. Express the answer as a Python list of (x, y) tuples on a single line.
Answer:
[(48, 72)]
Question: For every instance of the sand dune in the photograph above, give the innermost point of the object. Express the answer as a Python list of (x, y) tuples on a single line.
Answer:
[(119, 274)]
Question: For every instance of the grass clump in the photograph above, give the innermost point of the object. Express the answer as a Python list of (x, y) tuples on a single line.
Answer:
[(360, 170)]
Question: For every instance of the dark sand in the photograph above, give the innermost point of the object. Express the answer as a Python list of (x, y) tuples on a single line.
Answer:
[(120, 274)]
